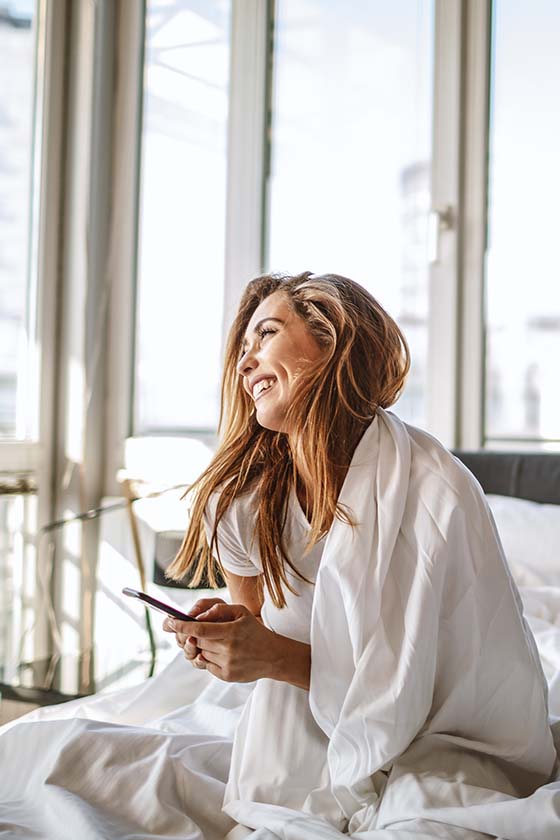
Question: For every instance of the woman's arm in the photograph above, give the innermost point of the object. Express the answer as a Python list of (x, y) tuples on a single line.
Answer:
[(232, 643), (292, 663), (245, 590)]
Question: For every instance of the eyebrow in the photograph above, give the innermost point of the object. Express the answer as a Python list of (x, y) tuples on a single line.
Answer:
[(259, 324)]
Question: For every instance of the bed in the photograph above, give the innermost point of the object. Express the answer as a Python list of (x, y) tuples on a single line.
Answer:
[(523, 491)]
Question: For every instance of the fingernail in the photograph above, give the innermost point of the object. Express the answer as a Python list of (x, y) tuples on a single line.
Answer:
[(171, 624)]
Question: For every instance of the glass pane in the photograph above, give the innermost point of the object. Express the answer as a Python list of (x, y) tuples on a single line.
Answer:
[(349, 185), (17, 589), (182, 215), (523, 268), (17, 77)]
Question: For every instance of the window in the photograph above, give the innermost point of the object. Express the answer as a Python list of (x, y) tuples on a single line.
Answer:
[(19, 153), (375, 114), (17, 79), (182, 216), (231, 138), (350, 161), (523, 265)]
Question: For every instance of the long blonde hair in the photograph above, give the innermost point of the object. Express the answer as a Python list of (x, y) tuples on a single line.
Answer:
[(364, 364)]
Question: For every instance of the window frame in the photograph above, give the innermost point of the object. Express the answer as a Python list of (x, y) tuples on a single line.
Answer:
[(456, 356), (33, 461), (474, 241), (250, 23), (122, 269), (77, 39), (460, 186)]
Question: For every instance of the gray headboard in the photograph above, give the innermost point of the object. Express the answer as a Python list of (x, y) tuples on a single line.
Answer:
[(532, 475)]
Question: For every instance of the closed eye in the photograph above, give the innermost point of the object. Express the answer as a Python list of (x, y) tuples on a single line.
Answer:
[(265, 331), (261, 332)]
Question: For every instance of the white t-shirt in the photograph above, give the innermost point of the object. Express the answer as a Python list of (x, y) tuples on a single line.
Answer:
[(239, 554)]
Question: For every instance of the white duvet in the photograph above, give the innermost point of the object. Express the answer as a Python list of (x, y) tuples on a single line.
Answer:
[(426, 715)]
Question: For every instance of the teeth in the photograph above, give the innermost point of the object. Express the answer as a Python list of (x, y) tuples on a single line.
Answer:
[(261, 386)]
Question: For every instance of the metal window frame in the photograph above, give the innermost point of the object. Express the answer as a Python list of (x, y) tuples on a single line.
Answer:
[(459, 201), (128, 97), (30, 465), (53, 29), (443, 350), (471, 396), (514, 441), (28, 456), (246, 149), (75, 168)]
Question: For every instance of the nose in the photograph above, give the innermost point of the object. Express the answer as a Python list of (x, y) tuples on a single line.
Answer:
[(246, 363)]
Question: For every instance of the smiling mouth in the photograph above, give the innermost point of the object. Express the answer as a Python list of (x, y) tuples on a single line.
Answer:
[(262, 387)]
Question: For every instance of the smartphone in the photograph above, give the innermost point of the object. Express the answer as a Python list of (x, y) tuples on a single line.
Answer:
[(166, 609)]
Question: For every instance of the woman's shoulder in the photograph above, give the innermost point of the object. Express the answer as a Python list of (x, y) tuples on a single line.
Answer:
[(236, 528), (241, 511)]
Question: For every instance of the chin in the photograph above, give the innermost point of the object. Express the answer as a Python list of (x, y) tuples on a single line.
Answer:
[(273, 424)]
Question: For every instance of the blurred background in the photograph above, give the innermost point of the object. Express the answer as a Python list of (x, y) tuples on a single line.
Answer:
[(157, 154)]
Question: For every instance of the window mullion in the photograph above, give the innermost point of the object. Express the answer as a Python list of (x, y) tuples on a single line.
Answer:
[(442, 386), (124, 236), (246, 149), (474, 212)]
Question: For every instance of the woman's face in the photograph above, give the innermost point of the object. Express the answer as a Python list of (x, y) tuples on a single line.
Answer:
[(276, 350)]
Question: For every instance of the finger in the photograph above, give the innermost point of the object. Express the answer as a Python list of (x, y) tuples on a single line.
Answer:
[(223, 612), (191, 651), (168, 625), (199, 662), (213, 647), (204, 604), (173, 625), (186, 640), (183, 628), (216, 632), (214, 656)]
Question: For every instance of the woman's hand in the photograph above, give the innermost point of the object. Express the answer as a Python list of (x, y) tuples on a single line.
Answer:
[(184, 640), (235, 646)]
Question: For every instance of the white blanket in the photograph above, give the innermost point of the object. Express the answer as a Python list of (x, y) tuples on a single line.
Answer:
[(426, 715), (425, 679)]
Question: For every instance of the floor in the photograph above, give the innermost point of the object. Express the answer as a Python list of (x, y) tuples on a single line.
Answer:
[(11, 709)]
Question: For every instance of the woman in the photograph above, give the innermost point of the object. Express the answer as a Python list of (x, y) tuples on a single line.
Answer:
[(397, 690), (309, 361), (361, 555)]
